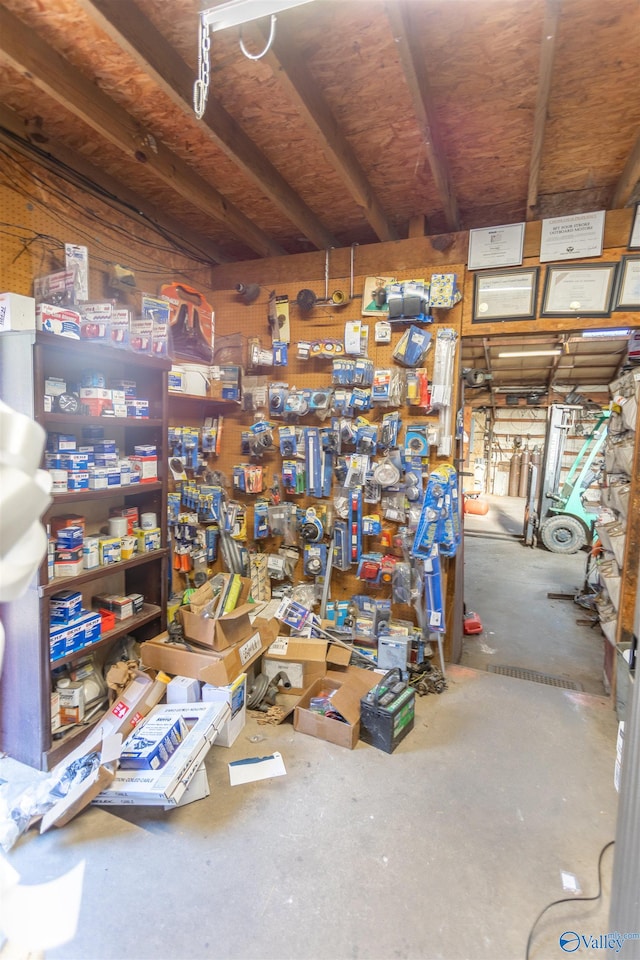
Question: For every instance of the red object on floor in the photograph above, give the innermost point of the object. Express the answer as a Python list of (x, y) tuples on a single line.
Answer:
[(472, 505), (472, 623)]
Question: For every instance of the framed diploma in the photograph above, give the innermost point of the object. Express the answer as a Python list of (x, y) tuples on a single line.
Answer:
[(627, 296), (496, 246), (634, 236), (582, 290), (571, 238), (505, 295)]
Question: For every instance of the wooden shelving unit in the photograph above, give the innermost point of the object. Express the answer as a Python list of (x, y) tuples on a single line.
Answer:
[(26, 681)]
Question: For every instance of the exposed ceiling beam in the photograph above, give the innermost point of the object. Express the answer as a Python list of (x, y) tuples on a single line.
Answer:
[(547, 54), (52, 74), (629, 179), (62, 161), (413, 62), (290, 70), (133, 32)]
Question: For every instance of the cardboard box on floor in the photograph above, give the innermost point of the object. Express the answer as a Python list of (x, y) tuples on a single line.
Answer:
[(138, 698), (350, 684), (303, 660), (221, 632), (167, 785), (215, 667)]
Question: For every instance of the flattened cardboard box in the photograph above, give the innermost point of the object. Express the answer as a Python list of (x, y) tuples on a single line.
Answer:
[(168, 784), (216, 667), (350, 685), (303, 660)]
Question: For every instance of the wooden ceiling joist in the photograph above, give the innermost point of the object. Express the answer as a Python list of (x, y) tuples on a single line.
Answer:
[(292, 74), (60, 159), (414, 67), (547, 54), (127, 26), (52, 74), (629, 179)]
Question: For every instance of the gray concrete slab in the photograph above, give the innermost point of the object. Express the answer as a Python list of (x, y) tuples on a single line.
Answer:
[(448, 848)]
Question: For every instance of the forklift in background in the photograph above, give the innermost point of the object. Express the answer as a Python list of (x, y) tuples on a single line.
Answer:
[(554, 512)]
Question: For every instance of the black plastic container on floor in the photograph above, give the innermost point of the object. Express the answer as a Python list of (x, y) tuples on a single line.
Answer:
[(387, 713)]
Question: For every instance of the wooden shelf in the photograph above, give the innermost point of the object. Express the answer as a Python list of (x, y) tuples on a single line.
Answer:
[(69, 741), (190, 398), (75, 419), (149, 612), (66, 583), (75, 496), (91, 352)]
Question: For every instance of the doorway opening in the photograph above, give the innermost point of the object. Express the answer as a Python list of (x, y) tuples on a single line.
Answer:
[(534, 429)]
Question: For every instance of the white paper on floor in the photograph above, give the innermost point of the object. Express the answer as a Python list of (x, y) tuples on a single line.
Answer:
[(256, 768)]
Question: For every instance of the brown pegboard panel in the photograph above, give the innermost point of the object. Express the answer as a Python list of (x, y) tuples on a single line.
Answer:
[(42, 212), (233, 317)]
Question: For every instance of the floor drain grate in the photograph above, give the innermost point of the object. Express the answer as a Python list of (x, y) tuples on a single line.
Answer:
[(520, 673)]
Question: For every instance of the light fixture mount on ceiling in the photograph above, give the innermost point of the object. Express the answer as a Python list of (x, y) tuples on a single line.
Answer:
[(234, 13)]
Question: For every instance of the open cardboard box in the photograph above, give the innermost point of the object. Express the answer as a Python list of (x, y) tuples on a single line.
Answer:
[(217, 633), (220, 633), (215, 667), (303, 660), (350, 685)]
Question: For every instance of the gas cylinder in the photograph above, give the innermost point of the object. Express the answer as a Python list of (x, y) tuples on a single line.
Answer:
[(514, 474)]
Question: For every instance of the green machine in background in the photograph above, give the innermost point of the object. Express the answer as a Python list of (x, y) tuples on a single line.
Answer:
[(556, 515)]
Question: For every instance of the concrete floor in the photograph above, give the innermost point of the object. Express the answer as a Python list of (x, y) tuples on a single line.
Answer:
[(507, 584), (448, 848)]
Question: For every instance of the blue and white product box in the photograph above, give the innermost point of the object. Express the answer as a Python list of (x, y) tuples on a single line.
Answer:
[(78, 480), (235, 695), (53, 461), (91, 626), (89, 452), (60, 442), (145, 450), (183, 690), (91, 553), (65, 606), (129, 387), (63, 640), (151, 744), (113, 476), (106, 459), (97, 478), (168, 784), (75, 461), (104, 446), (138, 408), (394, 652), (125, 472)]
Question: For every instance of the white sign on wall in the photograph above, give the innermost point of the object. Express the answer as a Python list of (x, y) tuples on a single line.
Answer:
[(570, 238)]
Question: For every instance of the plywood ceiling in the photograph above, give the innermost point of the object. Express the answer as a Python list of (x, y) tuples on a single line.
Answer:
[(365, 121)]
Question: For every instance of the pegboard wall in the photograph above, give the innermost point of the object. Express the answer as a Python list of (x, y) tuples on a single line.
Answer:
[(42, 212), (237, 324)]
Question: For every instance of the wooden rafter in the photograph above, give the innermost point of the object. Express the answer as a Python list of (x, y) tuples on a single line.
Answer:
[(547, 54), (630, 177), (127, 26), (291, 72), (54, 155), (53, 75), (415, 71)]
